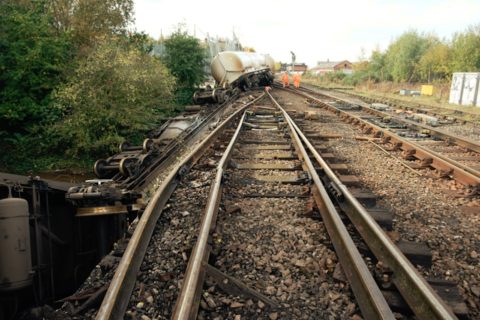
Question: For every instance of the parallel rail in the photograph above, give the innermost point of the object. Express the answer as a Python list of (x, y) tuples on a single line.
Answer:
[(461, 173), (460, 141), (417, 107)]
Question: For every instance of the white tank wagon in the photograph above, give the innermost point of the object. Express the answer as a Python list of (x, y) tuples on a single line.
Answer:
[(251, 68), (237, 70)]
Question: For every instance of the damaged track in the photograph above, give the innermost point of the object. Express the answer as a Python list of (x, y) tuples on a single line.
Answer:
[(269, 183), (421, 298)]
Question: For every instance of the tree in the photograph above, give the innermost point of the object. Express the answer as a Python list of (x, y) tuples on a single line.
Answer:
[(90, 21), (434, 64), (185, 58), (404, 54), (466, 50), (115, 94), (33, 58), (377, 69)]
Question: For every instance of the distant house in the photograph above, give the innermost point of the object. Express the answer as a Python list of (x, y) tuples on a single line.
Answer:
[(323, 67), (297, 68)]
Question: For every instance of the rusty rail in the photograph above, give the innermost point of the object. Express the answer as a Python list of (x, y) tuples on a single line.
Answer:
[(186, 306), (418, 294), (460, 141), (118, 294)]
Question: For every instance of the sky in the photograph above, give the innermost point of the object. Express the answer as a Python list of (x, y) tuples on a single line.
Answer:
[(314, 30)]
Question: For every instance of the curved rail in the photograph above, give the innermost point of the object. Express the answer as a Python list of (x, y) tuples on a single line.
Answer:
[(185, 307), (117, 297), (422, 299)]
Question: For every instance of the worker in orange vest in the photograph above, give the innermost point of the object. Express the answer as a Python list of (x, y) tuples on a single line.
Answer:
[(286, 81), (296, 80)]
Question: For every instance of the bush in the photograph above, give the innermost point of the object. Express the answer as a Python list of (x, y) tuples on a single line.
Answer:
[(114, 95), (185, 58)]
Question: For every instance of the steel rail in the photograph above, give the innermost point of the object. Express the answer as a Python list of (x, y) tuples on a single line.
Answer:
[(370, 299), (186, 306), (458, 171), (460, 141), (414, 106), (121, 286), (161, 162), (419, 295)]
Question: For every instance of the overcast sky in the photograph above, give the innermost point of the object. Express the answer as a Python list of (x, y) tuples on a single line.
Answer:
[(314, 30)]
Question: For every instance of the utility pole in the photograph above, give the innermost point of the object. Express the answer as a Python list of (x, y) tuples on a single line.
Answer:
[(293, 61)]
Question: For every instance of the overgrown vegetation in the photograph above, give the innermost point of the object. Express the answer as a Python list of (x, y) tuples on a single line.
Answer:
[(186, 59), (75, 81), (416, 57), (114, 94)]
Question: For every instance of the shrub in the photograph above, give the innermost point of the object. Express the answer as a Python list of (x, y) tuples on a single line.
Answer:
[(114, 95)]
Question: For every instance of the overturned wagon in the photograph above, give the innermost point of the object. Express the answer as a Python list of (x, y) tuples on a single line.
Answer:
[(236, 70)]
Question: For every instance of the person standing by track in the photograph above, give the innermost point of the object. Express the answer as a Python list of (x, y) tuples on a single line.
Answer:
[(296, 80), (285, 80)]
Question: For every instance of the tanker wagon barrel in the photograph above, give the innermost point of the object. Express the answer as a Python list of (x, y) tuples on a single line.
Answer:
[(236, 69)]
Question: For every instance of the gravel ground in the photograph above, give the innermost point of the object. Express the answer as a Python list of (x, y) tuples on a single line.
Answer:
[(271, 246), (425, 209)]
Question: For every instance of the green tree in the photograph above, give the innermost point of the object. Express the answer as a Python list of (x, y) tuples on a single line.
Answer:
[(91, 21), (403, 55), (377, 68), (466, 50), (185, 58), (116, 93), (32, 60), (434, 64)]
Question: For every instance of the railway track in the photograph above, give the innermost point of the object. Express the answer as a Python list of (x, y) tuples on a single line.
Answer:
[(466, 133), (251, 199), (448, 116), (424, 146)]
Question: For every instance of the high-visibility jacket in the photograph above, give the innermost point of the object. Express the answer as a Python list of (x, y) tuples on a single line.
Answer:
[(296, 80)]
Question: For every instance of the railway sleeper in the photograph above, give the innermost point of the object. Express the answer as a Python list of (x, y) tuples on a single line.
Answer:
[(297, 179), (266, 166), (418, 253), (276, 142), (365, 197), (275, 155), (382, 216), (447, 290), (339, 168)]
